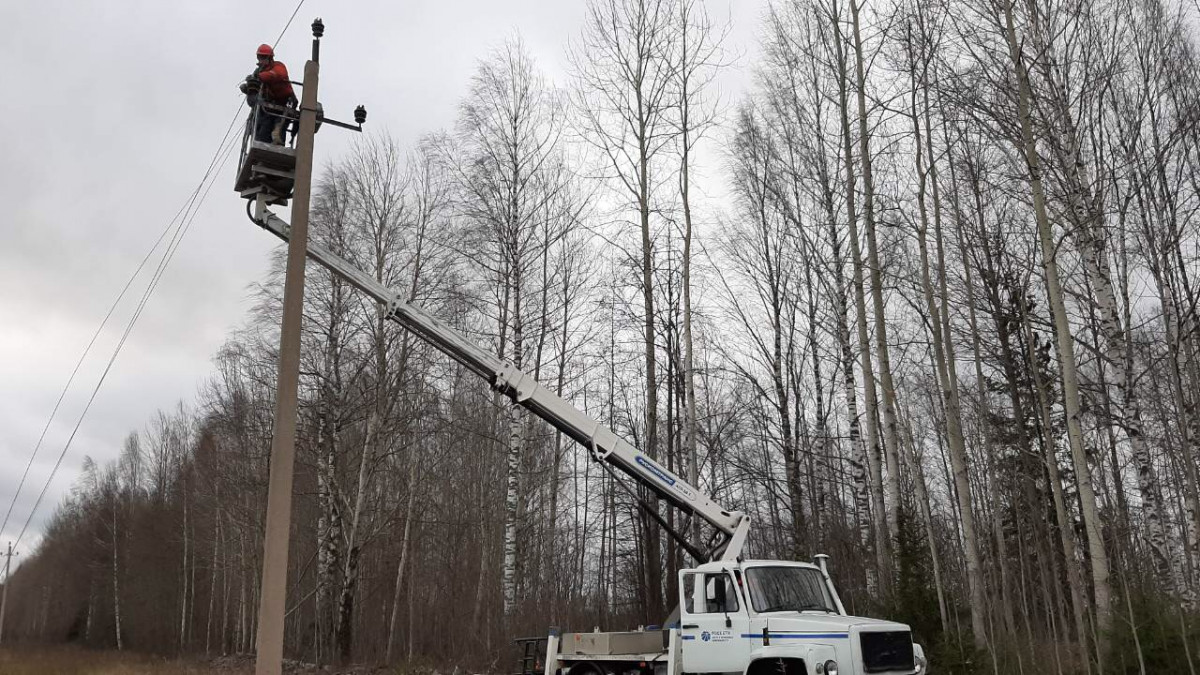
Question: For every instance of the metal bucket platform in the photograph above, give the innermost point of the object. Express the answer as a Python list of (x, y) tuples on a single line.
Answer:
[(267, 168)]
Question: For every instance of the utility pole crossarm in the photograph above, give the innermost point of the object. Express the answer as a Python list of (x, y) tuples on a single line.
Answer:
[(523, 389)]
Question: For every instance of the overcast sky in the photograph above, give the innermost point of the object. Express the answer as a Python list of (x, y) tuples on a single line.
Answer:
[(111, 110)]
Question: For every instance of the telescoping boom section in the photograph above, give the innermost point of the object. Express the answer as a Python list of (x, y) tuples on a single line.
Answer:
[(603, 444)]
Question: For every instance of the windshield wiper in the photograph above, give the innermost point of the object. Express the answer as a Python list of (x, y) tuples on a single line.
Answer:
[(777, 608), (802, 608), (823, 608)]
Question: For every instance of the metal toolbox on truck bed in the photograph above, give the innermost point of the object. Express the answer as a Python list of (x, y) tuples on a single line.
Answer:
[(600, 644)]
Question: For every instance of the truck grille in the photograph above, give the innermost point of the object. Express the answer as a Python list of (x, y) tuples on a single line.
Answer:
[(887, 651)]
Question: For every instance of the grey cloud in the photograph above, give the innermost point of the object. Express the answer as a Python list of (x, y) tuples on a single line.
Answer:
[(112, 110)]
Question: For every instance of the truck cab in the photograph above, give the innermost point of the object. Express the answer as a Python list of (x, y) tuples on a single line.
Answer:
[(757, 616), (752, 617)]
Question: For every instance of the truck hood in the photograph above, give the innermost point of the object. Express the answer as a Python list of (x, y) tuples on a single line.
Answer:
[(815, 622), (836, 636)]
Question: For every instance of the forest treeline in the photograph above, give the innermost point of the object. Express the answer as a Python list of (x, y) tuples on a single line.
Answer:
[(923, 301)]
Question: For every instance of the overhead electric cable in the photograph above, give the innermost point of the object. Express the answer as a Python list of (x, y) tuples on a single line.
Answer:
[(71, 379), (189, 210), (184, 224), (288, 24), (112, 308)]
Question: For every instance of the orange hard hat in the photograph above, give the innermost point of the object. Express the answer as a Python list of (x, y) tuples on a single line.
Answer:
[(265, 50)]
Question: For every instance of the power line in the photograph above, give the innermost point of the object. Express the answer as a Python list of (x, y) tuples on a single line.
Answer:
[(169, 253), (289, 23), (184, 224), (191, 205), (104, 322)]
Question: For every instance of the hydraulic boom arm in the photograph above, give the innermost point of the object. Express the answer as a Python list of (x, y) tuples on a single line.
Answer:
[(522, 388)]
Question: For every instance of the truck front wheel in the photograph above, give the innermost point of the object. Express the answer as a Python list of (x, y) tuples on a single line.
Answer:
[(585, 669)]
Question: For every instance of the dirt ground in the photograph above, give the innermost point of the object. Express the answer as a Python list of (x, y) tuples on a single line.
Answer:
[(69, 660)]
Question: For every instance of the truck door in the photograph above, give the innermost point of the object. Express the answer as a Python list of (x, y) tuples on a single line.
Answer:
[(713, 623)]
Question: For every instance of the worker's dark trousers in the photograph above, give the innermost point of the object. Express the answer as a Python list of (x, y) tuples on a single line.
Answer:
[(267, 123)]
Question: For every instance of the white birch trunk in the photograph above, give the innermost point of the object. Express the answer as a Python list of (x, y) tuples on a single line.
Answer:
[(212, 581), (1188, 428), (1097, 556), (116, 576), (1091, 239), (329, 530), (953, 420), (345, 613), (511, 507), (183, 604), (890, 444), (404, 546), (870, 399), (918, 475), (516, 438)]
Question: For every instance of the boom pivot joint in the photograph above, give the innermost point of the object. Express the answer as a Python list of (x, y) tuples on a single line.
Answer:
[(513, 382)]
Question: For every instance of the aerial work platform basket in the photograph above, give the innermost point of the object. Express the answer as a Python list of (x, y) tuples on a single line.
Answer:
[(266, 168)]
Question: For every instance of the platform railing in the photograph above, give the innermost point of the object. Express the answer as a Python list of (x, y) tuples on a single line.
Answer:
[(261, 107)]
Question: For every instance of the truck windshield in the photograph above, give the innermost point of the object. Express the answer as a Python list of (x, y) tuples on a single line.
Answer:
[(788, 589)]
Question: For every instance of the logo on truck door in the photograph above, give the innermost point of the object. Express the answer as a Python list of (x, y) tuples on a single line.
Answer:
[(717, 636)]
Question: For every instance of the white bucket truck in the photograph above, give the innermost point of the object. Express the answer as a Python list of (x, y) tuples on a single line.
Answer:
[(735, 615), (757, 617)]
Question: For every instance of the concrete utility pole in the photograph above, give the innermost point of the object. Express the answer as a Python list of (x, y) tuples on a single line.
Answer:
[(283, 444), (4, 594)]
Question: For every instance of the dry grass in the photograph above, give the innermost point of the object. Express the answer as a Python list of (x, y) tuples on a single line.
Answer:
[(74, 660), (63, 660)]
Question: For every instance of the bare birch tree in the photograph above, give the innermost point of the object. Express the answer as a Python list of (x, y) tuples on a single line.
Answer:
[(625, 74)]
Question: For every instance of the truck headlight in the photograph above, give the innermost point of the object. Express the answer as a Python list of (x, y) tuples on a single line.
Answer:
[(827, 668)]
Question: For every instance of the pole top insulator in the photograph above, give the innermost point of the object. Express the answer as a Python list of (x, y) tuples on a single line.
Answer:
[(318, 28)]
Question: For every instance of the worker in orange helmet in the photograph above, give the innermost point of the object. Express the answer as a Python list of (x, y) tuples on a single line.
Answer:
[(271, 81)]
